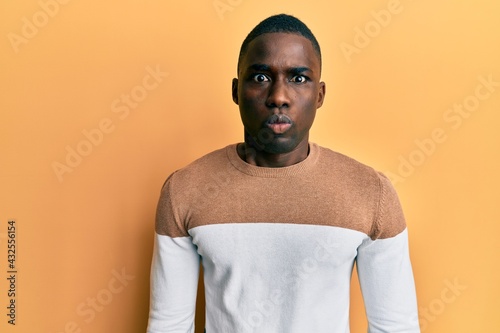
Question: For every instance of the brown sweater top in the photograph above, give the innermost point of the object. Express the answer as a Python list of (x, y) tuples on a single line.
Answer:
[(327, 188)]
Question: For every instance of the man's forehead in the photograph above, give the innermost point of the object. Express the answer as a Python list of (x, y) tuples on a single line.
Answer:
[(287, 48), (279, 41)]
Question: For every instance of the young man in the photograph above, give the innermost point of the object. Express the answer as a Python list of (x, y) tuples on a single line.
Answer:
[(277, 221)]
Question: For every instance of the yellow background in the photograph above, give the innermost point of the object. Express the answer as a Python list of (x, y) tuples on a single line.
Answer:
[(76, 231)]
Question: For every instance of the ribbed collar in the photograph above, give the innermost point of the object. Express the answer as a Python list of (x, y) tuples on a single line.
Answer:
[(266, 172)]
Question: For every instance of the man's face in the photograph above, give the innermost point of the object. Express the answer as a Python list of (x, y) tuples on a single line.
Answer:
[(278, 91)]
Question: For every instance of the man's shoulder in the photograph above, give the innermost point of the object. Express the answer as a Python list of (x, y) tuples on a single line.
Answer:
[(210, 160), (340, 163), (350, 173), (204, 166)]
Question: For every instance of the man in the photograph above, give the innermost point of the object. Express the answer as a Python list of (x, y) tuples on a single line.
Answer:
[(277, 221)]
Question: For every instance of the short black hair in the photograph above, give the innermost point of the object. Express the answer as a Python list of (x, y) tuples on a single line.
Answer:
[(280, 23)]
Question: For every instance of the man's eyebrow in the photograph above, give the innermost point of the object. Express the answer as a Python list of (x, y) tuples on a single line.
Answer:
[(260, 67), (299, 70), (267, 68)]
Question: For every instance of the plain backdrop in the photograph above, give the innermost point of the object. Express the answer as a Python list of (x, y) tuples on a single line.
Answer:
[(102, 100)]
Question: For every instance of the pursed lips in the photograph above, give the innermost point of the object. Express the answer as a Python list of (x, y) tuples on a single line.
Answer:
[(279, 123)]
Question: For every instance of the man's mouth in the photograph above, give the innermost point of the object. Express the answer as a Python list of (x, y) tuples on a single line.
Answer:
[(279, 123)]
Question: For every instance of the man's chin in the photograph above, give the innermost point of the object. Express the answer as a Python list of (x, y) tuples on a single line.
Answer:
[(280, 146)]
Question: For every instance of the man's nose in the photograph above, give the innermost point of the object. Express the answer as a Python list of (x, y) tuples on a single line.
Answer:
[(278, 95)]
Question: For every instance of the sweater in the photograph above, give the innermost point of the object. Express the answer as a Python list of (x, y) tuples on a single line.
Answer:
[(278, 247)]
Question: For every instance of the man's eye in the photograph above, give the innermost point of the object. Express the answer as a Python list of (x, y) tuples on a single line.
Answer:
[(299, 79), (260, 78)]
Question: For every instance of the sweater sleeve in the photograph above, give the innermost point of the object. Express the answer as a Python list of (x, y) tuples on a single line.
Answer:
[(385, 272), (174, 274)]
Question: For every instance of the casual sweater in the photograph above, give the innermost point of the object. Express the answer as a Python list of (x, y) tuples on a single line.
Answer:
[(278, 246)]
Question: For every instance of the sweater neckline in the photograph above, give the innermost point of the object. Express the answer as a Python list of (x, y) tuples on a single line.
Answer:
[(266, 172)]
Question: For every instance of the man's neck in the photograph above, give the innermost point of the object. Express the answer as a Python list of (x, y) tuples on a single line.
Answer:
[(262, 158)]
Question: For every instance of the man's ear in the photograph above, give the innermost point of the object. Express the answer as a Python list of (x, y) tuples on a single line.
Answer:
[(234, 90), (321, 94)]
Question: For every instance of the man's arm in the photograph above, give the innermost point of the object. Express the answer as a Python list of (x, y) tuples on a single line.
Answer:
[(174, 274), (385, 272)]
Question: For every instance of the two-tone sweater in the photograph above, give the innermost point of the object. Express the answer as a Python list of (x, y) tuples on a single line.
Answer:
[(278, 247)]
